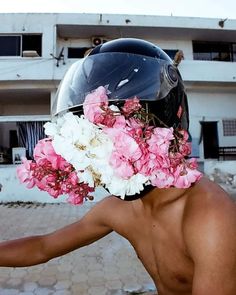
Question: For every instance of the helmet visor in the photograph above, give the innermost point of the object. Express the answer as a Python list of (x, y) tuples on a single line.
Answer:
[(124, 75)]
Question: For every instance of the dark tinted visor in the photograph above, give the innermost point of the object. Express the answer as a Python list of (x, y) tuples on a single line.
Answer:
[(124, 75)]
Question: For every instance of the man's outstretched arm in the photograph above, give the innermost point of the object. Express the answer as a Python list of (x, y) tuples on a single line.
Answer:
[(39, 249)]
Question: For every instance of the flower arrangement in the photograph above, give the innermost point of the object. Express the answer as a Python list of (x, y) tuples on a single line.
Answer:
[(119, 148)]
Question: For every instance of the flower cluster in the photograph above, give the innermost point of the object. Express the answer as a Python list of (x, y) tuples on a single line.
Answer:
[(114, 147), (53, 174)]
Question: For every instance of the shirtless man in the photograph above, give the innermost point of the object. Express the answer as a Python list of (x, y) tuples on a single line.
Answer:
[(185, 237)]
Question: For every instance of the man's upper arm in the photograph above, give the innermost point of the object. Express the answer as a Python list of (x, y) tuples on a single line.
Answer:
[(93, 226), (211, 242)]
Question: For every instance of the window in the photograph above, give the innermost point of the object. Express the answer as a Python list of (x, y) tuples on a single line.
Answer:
[(19, 134), (32, 42), (14, 45), (214, 51), (77, 52), (10, 45), (171, 52), (229, 127)]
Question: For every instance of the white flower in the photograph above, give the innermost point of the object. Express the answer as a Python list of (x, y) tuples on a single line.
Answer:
[(122, 187), (53, 128), (84, 145)]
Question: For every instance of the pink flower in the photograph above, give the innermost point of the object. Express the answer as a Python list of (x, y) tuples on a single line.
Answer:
[(175, 159), (184, 134), (186, 174), (126, 152), (162, 178), (120, 122), (25, 173), (79, 193), (185, 148), (69, 182), (152, 163), (95, 103), (135, 123), (142, 165), (75, 198), (131, 106), (107, 118), (135, 129), (192, 163), (45, 151), (123, 168), (160, 140), (124, 143)]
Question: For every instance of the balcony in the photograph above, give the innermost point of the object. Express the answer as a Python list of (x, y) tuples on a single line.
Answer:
[(45, 69), (208, 71), (31, 68)]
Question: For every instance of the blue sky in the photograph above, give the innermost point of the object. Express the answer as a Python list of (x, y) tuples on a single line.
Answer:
[(198, 8)]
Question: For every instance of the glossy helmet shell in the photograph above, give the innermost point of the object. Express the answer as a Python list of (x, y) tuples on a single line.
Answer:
[(127, 67)]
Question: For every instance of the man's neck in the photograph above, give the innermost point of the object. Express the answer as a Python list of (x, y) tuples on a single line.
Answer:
[(160, 197)]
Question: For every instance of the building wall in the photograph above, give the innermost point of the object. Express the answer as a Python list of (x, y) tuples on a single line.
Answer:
[(213, 105)]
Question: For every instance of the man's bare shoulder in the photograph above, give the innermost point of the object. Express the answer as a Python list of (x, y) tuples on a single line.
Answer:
[(112, 203), (112, 209), (207, 196), (209, 211)]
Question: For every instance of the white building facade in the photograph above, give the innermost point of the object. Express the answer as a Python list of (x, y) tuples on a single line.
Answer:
[(37, 49)]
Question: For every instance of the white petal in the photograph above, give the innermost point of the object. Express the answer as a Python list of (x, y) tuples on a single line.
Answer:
[(51, 129)]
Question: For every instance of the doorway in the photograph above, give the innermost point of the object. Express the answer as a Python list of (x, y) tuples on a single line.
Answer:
[(210, 139)]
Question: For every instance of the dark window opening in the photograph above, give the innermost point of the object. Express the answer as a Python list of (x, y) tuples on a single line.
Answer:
[(32, 42), (13, 138), (214, 51), (77, 52), (171, 52), (210, 140), (10, 45)]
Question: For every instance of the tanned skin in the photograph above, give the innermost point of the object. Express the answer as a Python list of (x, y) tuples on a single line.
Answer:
[(185, 238)]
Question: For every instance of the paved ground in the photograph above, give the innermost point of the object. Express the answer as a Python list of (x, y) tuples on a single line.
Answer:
[(108, 267)]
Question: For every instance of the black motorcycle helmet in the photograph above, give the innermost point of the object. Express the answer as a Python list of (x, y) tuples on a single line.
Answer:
[(127, 67)]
